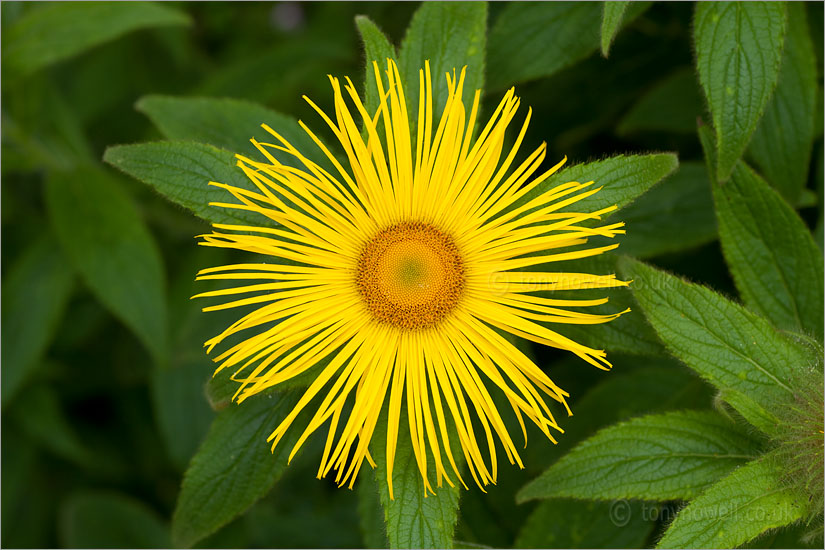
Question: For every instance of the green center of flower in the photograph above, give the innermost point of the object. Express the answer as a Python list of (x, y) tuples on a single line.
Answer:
[(410, 275)]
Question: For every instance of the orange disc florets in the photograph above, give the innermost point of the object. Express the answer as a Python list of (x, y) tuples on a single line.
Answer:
[(410, 275)]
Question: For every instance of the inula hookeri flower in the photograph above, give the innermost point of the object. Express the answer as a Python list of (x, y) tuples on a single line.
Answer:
[(401, 269)]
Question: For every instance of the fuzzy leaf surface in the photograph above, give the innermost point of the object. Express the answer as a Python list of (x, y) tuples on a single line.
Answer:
[(659, 457), (181, 172), (738, 51), (740, 353), (742, 506), (234, 466), (771, 253)]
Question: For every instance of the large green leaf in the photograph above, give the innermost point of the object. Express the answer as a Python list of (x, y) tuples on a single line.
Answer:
[(675, 215), (738, 51), (670, 105), (450, 35), (563, 523), (772, 255), (181, 172), (536, 39), (227, 124), (44, 36), (742, 506), (35, 292), (659, 457), (782, 144), (743, 355), (377, 48), (233, 467), (102, 233), (97, 519), (414, 519)]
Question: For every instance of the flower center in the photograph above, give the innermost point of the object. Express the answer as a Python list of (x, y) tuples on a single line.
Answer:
[(410, 275)]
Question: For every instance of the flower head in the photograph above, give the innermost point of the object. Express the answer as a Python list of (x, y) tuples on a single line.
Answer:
[(401, 269)]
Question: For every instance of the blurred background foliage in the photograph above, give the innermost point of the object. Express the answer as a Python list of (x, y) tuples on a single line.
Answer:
[(103, 371)]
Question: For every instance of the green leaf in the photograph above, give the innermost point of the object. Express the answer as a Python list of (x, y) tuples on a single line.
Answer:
[(675, 215), (745, 504), (670, 105), (103, 235), (377, 48), (52, 33), (771, 253), (537, 39), (233, 467), (97, 519), (612, 14), (35, 293), (622, 179), (740, 353), (738, 51), (227, 124), (562, 523), (413, 519), (781, 146), (181, 172), (450, 35), (659, 457)]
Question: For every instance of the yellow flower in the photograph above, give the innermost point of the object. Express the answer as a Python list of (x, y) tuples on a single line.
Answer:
[(401, 270)]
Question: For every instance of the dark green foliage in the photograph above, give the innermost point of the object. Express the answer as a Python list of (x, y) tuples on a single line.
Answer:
[(104, 237), (116, 116)]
